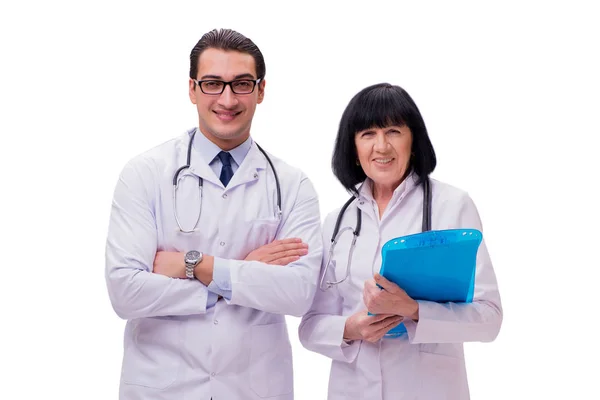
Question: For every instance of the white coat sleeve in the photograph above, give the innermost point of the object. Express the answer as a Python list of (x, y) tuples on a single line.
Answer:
[(134, 291), (322, 328), (289, 289), (478, 321)]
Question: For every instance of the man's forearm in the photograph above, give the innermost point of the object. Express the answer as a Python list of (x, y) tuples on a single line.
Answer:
[(204, 270)]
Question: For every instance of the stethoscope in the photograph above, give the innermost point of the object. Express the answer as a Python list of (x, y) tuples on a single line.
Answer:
[(337, 233), (201, 183)]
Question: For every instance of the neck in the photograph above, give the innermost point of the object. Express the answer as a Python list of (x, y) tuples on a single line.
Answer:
[(382, 195), (383, 192), (226, 144)]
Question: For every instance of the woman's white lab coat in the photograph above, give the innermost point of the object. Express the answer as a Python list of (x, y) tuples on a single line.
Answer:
[(428, 362), (175, 348)]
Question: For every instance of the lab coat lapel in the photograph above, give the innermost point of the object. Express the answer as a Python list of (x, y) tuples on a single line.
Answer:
[(365, 202), (199, 166), (248, 171)]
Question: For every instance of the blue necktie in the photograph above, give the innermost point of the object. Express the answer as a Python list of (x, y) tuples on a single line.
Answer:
[(226, 170)]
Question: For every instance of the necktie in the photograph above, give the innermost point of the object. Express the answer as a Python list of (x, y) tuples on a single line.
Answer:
[(226, 170)]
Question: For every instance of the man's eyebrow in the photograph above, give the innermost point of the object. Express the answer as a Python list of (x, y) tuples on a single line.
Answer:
[(204, 77), (244, 76), (218, 77)]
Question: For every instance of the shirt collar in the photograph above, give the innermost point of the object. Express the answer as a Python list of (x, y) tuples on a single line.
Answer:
[(208, 150), (365, 189)]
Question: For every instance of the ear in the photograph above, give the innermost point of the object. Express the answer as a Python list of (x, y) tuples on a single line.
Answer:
[(192, 90), (261, 91)]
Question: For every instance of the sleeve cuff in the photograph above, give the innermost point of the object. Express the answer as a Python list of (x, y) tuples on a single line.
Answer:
[(221, 283), (348, 348), (327, 338), (417, 330), (211, 300)]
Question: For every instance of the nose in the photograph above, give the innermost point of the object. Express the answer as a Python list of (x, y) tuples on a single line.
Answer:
[(381, 142), (228, 99)]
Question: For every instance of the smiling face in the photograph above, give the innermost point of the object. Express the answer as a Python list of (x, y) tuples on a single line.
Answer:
[(384, 154), (225, 118)]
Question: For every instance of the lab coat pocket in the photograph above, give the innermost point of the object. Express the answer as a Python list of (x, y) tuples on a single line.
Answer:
[(153, 357), (257, 233), (440, 378), (271, 371)]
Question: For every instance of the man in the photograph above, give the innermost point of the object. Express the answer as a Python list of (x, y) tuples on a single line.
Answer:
[(188, 249)]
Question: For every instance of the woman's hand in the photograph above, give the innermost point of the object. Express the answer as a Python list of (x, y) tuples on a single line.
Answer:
[(362, 326), (279, 252), (388, 298)]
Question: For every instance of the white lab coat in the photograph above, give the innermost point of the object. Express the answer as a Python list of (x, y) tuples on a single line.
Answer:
[(174, 348), (428, 362)]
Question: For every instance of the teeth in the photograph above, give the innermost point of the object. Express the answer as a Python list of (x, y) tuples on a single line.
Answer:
[(383, 160), (226, 113)]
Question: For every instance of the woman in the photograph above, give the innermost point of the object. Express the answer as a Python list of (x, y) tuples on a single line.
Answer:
[(382, 156)]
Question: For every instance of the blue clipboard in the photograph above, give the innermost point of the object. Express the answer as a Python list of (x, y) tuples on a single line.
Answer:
[(434, 265)]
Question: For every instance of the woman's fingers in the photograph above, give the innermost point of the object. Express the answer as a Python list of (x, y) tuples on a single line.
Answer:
[(380, 328)]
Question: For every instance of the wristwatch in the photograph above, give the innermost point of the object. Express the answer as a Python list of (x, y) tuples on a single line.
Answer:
[(192, 258)]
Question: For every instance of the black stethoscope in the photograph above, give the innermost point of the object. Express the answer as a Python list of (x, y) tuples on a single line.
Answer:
[(201, 183), (335, 237)]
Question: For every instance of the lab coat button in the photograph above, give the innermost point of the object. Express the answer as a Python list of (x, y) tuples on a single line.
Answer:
[(212, 374), (216, 322), (222, 243), (255, 176), (225, 196)]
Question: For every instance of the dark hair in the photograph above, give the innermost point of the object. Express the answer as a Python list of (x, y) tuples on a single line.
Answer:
[(379, 106), (226, 39)]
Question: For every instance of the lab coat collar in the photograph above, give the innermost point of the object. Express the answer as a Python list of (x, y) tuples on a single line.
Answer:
[(365, 189), (208, 151), (204, 151), (248, 169)]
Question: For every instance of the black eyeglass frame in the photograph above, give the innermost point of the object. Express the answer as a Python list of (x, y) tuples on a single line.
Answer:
[(225, 84)]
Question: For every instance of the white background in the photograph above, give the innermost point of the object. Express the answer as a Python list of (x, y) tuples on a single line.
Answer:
[(509, 92)]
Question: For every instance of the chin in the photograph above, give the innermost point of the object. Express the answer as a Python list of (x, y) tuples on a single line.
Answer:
[(229, 135), (387, 180)]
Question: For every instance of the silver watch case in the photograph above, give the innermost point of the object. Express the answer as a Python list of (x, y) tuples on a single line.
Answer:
[(192, 258)]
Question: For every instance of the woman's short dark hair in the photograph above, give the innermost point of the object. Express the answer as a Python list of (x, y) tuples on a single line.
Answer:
[(227, 40), (379, 106)]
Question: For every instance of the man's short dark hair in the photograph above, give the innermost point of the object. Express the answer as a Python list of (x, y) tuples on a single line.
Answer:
[(227, 40), (379, 106)]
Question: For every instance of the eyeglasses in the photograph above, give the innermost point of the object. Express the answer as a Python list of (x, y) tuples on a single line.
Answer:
[(239, 86)]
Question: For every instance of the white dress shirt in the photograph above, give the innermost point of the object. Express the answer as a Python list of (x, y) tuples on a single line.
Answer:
[(221, 284)]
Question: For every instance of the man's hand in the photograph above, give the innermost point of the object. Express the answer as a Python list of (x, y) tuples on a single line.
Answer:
[(169, 263), (388, 299), (362, 326), (279, 252)]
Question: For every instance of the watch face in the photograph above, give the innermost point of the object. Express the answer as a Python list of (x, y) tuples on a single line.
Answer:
[(192, 256)]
